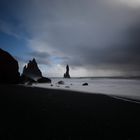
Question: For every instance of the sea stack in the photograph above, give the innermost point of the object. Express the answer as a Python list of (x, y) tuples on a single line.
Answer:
[(8, 69), (32, 70), (67, 75), (32, 73)]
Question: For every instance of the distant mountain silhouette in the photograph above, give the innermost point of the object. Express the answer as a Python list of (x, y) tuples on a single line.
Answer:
[(67, 75), (8, 68), (32, 70)]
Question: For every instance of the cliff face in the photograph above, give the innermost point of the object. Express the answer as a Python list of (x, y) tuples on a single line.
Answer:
[(8, 68), (32, 70)]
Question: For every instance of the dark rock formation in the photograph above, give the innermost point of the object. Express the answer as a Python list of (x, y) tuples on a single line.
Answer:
[(31, 73), (25, 79), (32, 70), (67, 75), (85, 84), (44, 80), (61, 82), (8, 69)]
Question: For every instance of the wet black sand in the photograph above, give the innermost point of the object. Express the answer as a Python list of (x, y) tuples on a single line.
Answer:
[(45, 114)]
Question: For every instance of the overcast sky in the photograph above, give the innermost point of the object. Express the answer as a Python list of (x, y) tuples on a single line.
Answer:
[(95, 37)]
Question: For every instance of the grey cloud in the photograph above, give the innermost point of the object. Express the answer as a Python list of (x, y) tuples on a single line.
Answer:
[(39, 54), (91, 33), (41, 57)]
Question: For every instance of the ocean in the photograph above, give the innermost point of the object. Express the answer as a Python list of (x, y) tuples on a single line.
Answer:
[(126, 88)]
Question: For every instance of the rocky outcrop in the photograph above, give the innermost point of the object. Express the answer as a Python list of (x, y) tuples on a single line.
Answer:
[(32, 73), (44, 80), (85, 84), (8, 69), (25, 79), (61, 82), (32, 70), (67, 75)]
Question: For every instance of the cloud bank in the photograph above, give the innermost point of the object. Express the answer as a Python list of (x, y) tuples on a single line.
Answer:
[(95, 37)]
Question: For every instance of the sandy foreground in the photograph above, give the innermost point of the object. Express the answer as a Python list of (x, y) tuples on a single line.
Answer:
[(49, 114)]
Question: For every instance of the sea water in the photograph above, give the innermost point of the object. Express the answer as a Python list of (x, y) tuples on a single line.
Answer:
[(128, 88)]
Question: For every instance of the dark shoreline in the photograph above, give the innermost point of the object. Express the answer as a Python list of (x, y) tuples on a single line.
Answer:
[(36, 113)]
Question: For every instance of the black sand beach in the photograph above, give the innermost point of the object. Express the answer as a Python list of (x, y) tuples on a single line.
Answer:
[(44, 114)]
